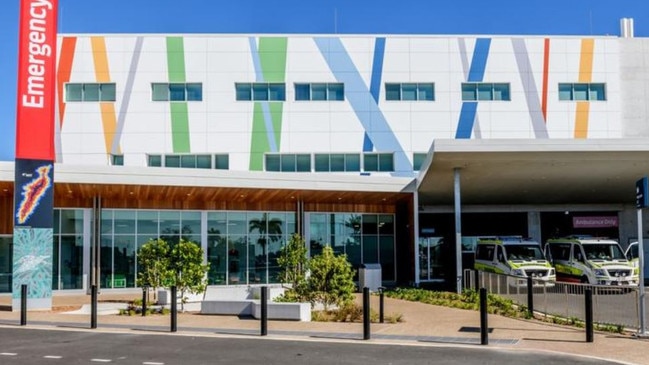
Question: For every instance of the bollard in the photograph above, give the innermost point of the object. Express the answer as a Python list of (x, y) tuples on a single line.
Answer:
[(174, 310), (588, 298), (366, 313), (23, 305), (476, 275), (145, 290), (93, 306), (381, 304), (484, 328), (530, 297), (264, 310)]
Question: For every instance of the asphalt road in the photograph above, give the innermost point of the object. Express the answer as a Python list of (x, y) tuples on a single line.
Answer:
[(35, 346)]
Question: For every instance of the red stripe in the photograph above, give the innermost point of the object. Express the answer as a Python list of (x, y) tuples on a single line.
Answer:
[(546, 65)]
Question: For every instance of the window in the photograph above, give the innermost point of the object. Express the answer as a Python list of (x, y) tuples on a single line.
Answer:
[(260, 91), (417, 160), (378, 162), (191, 161), (410, 91), (177, 91), (288, 162), (337, 162), (582, 91), (117, 160), (320, 91), (90, 92), (474, 91)]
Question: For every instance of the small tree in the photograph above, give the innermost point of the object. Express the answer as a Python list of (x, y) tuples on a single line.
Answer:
[(294, 264), (187, 269), (331, 279), (153, 265)]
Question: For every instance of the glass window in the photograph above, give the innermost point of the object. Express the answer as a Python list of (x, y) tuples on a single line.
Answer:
[(117, 160), (392, 92), (597, 92), (91, 92), (426, 92), (160, 92), (352, 162), (371, 162), (580, 91), (337, 162), (302, 92), (260, 92), (501, 92), (418, 160), (194, 92), (124, 221), (273, 162), (321, 162), (409, 92), (71, 221), (386, 162), (277, 92), (107, 92), (188, 161), (318, 92), (288, 162), (177, 92), (155, 160), (172, 161), (303, 162), (484, 92), (221, 162), (469, 92), (243, 91), (336, 91), (204, 161), (565, 91), (73, 92), (147, 223)]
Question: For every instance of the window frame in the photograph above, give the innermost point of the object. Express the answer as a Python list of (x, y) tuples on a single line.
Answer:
[(418, 88), (479, 88), (270, 88), (100, 93), (328, 88), (569, 87), (185, 91)]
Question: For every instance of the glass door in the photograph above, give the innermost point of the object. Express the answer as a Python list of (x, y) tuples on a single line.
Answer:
[(431, 267)]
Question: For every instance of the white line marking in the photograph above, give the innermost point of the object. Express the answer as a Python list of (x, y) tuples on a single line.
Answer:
[(152, 363), (101, 360), (8, 353), (52, 357)]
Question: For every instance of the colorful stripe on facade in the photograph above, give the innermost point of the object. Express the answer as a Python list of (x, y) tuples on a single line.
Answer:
[(362, 102), (63, 72), (532, 97), (179, 111), (585, 76), (269, 60), (128, 90), (102, 75), (546, 72), (476, 74), (375, 83)]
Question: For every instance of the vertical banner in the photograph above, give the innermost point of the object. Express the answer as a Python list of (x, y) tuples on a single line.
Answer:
[(34, 167)]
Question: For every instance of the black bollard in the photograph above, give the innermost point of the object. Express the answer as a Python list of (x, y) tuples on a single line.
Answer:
[(264, 310), (530, 297), (484, 328), (93, 306), (588, 294), (366, 313), (476, 275), (174, 310), (381, 304), (23, 305), (145, 290)]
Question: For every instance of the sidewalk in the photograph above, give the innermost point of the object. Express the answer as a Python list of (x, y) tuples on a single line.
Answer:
[(423, 325)]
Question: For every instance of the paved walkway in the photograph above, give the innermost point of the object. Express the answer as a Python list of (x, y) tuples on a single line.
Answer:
[(423, 324)]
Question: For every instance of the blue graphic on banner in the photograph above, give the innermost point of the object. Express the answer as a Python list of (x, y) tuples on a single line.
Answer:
[(33, 262)]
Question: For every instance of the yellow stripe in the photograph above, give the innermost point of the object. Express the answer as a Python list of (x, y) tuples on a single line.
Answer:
[(585, 75), (102, 74)]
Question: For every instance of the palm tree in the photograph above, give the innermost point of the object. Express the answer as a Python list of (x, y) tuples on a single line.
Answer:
[(266, 227)]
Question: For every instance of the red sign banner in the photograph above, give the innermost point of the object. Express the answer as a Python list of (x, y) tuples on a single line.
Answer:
[(594, 222), (36, 80)]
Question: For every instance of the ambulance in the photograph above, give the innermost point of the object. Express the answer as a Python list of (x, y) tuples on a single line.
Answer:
[(514, 256), (590, 260)]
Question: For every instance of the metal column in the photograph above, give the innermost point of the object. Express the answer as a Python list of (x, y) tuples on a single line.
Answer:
[(458, 229)]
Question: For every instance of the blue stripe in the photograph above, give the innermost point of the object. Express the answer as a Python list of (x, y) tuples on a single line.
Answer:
[(375, 83), (265, 109), (362, 102), (467, 116), (476, 74), (479, 60)]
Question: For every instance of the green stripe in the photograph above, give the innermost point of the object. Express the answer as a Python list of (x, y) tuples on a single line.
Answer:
[(272, 57), (179, 112)]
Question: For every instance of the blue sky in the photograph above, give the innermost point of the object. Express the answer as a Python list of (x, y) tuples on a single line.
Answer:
[(551, 17)]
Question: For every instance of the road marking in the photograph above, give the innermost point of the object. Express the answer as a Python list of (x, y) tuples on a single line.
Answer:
[(152, 363), (8, 353), (52, 357), (101, 360)]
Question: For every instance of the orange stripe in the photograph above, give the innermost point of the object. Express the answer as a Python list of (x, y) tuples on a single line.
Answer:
[(546, 66), (102, 74), (585, 75), (66, 56)]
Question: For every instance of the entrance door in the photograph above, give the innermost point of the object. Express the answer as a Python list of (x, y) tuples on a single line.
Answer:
[(431, 266)]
